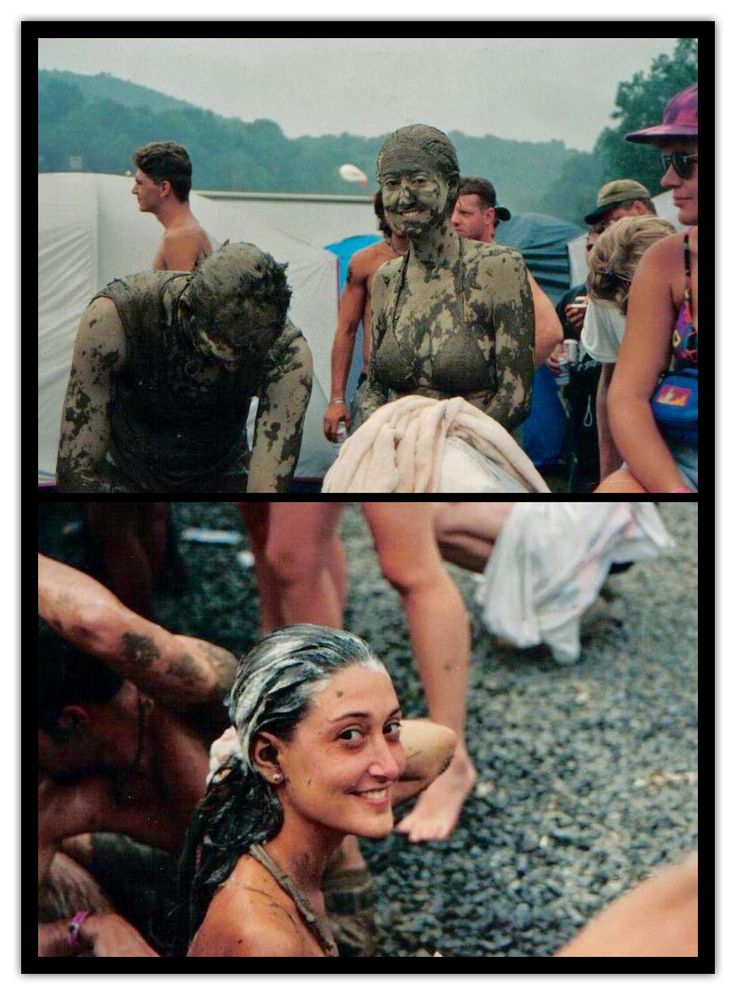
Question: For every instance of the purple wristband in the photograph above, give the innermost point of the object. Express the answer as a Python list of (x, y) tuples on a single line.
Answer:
[(74, 927)]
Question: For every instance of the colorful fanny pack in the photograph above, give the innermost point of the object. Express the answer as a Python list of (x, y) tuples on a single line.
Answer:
[(675, 406)]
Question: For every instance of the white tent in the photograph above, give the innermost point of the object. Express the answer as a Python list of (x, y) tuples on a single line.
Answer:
[(90, 231), (576, 248)]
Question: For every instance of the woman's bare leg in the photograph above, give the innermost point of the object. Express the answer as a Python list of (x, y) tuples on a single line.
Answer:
[(620, 482), (440, 634), (256, 518), (467, 531), (301, 552)]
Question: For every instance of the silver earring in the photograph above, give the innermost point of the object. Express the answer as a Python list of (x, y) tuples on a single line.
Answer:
[(276, 777)]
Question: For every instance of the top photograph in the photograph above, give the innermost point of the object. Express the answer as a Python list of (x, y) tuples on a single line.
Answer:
[(368, 264)]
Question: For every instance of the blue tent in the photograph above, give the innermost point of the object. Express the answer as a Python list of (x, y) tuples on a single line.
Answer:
[(542, 240)]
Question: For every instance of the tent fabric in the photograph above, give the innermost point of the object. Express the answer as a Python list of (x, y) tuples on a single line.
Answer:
[(542, 240), (345, 249), (90, 232)]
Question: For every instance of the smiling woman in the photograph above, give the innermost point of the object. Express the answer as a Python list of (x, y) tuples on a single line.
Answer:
[(322, 753), (452, 317)]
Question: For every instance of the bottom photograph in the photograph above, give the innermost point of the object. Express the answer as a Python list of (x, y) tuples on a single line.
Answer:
[(381, 730)]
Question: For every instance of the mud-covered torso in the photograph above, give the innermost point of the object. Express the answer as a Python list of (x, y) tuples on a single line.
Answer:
[(435, 336), (177, 421)]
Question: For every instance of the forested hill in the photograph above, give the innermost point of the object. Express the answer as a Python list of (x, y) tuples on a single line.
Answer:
[(93, 123)]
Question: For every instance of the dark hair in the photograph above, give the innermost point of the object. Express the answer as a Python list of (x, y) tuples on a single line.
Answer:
[(383, 225), (166, 161), (273, 687), (68, 676), (480, 187)]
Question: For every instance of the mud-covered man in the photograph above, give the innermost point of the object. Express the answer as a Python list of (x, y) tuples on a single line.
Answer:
[(452, 317), (164, 370), (163, 179)]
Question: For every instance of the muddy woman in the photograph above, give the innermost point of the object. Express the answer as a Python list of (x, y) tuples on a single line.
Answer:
[(164, 370), (452, 317)]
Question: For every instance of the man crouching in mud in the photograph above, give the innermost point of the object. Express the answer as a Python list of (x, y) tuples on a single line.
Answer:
[(164, 369)]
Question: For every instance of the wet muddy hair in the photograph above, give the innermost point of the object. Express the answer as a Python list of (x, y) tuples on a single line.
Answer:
[(166, 161), (68, 676), (274, 685), (220, 285), (383, 225), (617, 253)]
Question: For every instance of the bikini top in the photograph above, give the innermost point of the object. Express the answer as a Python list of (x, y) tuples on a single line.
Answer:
[(685, 334), (444, 365), (303, 906)]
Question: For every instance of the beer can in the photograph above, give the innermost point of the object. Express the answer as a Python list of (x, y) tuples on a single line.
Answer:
[(572, 351), (563, 377)]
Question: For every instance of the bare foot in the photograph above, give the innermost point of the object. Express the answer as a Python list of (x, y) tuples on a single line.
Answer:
[(438, 808)]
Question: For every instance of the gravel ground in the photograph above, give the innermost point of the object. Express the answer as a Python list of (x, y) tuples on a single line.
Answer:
[(587, 774)]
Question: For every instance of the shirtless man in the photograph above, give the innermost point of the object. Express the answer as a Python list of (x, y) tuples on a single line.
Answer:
[(163, 180), (476, 215), (164, 371), (355, 306), (127, 712)]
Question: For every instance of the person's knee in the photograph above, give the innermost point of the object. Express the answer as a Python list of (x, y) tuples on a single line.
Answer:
[(407, 574), (297, 562)]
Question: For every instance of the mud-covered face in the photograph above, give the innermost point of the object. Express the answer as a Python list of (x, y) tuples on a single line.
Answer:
[(415, 197)]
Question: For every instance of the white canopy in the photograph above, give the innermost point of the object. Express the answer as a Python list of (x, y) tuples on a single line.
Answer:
[(90, 231)]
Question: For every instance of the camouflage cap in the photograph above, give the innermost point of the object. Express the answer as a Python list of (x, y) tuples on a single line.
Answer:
[(614, 193)]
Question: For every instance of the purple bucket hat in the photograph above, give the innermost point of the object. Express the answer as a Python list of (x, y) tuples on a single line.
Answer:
[(680, 119)]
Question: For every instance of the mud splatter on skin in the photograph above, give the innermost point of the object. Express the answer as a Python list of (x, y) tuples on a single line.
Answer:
[(185, 670), (139, 650), (450, 318)]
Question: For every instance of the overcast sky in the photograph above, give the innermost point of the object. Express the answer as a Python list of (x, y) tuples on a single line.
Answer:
[(526, 89)]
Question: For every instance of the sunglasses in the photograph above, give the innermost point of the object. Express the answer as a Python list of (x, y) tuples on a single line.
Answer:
[(681, 162)]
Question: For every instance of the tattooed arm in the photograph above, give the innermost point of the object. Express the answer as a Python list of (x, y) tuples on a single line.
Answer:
[(513, 330), (99, 350), (281, 410), (179, 671)]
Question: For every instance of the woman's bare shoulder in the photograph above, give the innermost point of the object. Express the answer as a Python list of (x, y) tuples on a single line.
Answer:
[(244, 920), (667, 253)]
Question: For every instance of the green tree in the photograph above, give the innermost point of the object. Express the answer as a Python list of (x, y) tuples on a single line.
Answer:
[(640, 103)]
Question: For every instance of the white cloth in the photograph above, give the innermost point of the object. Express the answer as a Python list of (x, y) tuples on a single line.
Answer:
[(603, 330), (550, 561), (401, 449)]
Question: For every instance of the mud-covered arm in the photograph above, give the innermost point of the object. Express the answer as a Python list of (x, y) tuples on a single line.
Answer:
[(179, 671), (282, 407), (513, 331), (99, 351), (429, 748), (374, 395)]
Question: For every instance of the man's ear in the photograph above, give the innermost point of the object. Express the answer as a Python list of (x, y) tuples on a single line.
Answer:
[(266, 752), (73, 720), (165, 188)]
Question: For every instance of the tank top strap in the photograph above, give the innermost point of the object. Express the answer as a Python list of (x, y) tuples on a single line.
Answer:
[(302, 903)]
